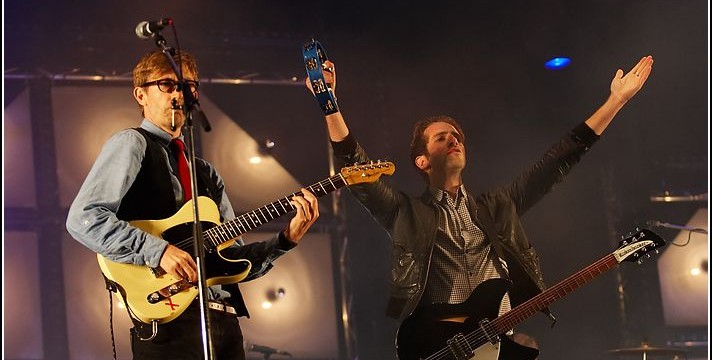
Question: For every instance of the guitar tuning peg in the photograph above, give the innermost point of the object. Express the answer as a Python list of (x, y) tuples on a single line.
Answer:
[(640, 261), (647, 256), (657, 251)]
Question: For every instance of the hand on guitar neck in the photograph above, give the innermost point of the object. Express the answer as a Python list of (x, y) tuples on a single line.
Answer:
[(162, 294), (307, 213), (181, 265)]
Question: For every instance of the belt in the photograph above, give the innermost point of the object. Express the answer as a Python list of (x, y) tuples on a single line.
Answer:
[(221, 307)]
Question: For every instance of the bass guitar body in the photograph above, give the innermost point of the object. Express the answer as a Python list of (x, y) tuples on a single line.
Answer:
[(439, 331)]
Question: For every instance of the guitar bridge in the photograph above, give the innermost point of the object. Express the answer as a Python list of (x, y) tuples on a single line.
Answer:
[(459, 347), (168, 291)]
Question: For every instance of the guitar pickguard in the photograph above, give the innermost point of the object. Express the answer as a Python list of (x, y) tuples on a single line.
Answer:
[(427, 333)]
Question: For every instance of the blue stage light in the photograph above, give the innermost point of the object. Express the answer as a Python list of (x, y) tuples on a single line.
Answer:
[(557, 63)]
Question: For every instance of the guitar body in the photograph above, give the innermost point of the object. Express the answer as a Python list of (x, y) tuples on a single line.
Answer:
[(425, 333), (151, 295), (473, 331), (136, 283)]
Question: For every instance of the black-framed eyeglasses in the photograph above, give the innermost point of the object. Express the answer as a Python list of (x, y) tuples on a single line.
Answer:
[(170, 85)]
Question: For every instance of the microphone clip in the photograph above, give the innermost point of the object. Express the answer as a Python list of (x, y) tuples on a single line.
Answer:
[(149, 29)]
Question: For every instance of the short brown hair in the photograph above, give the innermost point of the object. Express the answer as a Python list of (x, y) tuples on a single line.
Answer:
[(418, 143), (156, 62)]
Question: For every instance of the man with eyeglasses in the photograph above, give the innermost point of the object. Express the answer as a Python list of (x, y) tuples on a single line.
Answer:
[(137, 177)]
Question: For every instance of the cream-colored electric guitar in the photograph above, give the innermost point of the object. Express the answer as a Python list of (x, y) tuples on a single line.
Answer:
[(153, 296)]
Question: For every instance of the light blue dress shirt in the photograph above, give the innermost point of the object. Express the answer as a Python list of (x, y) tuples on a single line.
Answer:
[(92, 216)]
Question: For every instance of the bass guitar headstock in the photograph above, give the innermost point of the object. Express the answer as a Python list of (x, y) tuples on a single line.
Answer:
[(637, 245)]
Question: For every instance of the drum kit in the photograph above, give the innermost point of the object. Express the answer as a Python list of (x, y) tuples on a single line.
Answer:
[(646, 351)]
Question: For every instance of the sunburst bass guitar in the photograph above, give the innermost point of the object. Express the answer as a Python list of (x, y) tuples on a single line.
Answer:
[(152, 296), (431, 334)]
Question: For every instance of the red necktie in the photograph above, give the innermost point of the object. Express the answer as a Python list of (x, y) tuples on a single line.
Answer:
[(178, 148)]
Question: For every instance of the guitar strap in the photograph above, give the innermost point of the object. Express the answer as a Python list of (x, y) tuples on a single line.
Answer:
[(484, 219)]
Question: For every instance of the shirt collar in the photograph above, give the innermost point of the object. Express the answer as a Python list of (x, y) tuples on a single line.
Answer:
[(439, 194), (155, 130)]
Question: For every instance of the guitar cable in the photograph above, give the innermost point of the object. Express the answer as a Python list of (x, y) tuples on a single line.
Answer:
[(689, 237), (111, 318)]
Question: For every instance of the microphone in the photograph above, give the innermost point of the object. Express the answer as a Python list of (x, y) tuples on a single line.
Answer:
[(655, 223), (148, 29), (265, 350)]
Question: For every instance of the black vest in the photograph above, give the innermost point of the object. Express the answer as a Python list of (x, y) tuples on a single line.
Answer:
[(151, 196)]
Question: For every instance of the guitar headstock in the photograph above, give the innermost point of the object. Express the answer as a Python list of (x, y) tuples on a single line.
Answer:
[(368, 172), (636, 244)]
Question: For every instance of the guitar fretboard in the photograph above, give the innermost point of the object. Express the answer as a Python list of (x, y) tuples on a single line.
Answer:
[(539, 302), (632, 248), (530, 307), (255, 218)]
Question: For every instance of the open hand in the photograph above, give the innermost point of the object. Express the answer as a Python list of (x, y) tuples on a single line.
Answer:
[(625, 87)]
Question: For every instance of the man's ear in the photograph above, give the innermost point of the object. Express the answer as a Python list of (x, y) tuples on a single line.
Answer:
[(140, 95), (421, 161)]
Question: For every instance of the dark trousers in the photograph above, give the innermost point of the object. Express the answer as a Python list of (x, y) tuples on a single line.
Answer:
[(182, 338)]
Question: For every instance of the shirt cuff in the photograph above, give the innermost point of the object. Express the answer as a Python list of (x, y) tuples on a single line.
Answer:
[(157, 249), (285, 244), (345, 146), (583, 134)]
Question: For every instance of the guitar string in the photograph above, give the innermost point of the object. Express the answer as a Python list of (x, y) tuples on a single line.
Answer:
[(336, 181), (477, 338), (213, 234)]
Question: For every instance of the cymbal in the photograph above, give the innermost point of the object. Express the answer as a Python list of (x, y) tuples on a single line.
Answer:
[(651, 350)]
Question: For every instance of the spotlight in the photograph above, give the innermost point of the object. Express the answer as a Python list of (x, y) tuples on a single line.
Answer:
[(264, 149), (557, 63), (269, 144), (273, 295)]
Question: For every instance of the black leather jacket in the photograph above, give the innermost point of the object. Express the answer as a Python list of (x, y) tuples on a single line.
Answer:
[(412, 222)]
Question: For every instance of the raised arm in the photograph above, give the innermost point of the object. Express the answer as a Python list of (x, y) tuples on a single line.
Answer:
[(335, 123), (623, 88), (380, 199)]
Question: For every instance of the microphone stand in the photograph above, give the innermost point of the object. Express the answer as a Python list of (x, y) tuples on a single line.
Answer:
[(191, 107)]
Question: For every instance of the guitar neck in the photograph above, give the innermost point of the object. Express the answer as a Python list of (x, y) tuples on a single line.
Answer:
[(255, 218), (530, 307)]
